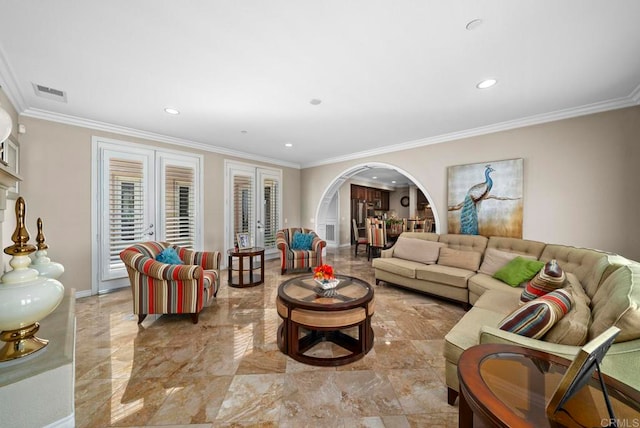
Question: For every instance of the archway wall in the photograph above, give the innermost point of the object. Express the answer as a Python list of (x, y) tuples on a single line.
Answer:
[(340, 186), (579, 176)]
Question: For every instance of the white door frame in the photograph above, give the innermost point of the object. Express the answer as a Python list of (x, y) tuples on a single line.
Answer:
[(98, 144)]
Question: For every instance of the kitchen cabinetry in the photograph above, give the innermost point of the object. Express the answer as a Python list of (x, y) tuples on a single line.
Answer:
[(385, 201), (378, 197)]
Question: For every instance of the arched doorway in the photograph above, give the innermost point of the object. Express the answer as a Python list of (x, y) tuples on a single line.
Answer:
[(327, 214)]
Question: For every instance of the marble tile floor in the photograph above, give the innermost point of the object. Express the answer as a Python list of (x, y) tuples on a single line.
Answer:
[(227, 371)]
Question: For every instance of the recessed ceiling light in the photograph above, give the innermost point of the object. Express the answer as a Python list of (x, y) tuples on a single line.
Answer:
[(315, 101), (171, 110), (374, 177), (288, 145), (393, 181), (473, 24), (486, 83)]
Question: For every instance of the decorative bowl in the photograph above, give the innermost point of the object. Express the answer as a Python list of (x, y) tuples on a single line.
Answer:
[(327, 284)]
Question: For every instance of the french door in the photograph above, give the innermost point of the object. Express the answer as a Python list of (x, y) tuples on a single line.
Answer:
[(253, 198), (141, 194)]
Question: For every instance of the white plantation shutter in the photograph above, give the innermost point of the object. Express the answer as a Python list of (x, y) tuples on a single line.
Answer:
[(243, 205), (126, 223), (253, 204), (180, 205), (271, 211), (143, 194)]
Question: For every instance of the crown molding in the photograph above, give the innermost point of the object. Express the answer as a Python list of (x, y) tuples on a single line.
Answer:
[(618, 103), (8, 81), (635, 95), (122, 130)]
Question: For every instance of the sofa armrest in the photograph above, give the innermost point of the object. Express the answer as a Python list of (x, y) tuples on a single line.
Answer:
[(495, 335), (318, 244), (282, 243), (620, 361), (386, 254), (208, 260)]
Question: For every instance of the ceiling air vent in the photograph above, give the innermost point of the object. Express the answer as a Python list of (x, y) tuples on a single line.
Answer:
[(50, 93)]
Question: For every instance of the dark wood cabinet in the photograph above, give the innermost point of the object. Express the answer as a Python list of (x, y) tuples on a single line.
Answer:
[(378, 197), (358, 192), (385, 201)]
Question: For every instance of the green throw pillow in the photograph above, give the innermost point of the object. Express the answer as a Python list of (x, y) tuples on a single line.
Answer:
[(518, 271)]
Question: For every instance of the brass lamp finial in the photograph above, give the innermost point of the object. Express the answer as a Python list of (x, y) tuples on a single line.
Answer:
[(20, 236), (40, 237)]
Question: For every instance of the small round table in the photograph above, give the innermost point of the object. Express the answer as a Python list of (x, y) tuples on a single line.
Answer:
[(509, 385), (325, 315), (246, 275)]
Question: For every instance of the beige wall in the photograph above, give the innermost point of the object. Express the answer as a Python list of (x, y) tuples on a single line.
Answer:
[(581, 180), (56, 167), (581, 177)]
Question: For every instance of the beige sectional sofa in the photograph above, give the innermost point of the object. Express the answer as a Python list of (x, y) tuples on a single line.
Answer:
[(606, 291)]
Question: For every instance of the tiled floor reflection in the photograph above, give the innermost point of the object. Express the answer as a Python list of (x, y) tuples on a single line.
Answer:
[(226, 371)]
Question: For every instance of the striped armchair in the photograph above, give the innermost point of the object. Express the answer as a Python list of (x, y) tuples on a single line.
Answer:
[(160, 288), (298, 259)]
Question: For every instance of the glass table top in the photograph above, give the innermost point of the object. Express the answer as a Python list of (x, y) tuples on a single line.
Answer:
[(304, 291), (525, 385)]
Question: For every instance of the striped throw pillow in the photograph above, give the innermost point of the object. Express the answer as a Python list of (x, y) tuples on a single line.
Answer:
[(535, 318), (551, 277)]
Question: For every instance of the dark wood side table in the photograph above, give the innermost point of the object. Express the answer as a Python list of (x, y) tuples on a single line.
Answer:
[(245, 273), (509, 386), (311, 315)]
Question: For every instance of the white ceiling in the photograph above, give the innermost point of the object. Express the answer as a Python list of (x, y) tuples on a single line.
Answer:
[(390, 74)]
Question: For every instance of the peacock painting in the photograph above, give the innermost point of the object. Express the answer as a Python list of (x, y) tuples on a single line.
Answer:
[(486, 199)]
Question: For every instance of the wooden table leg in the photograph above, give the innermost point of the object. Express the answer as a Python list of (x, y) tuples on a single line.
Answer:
[(262, 266), (465, 415)]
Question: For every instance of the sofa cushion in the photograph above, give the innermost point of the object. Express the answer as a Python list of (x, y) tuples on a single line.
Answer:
[(573, 328), (536, 317), (464, 242), (466, 332), (482, 283), (617, 303), (516, 245), (501, 301), (588, 265), (448, 275), (417, 250), (518, 271), (402, 267), (169, 256), (551, 277), (301, 241), (469, 260), (495, 259)]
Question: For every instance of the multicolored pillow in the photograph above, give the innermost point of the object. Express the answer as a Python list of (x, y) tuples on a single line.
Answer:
[(169, 256), (536, 317), (551, 277)]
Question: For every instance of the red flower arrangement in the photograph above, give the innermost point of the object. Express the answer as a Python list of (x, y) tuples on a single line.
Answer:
[(324, 272)]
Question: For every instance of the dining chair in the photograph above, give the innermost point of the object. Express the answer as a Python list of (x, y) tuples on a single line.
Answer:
[(378, 237), (360, 240)]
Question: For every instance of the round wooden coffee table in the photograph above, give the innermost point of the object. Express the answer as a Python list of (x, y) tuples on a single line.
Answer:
[(311, 315), (509, 385)]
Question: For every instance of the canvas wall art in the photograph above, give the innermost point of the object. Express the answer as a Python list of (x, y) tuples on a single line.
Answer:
[(486, 198)]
